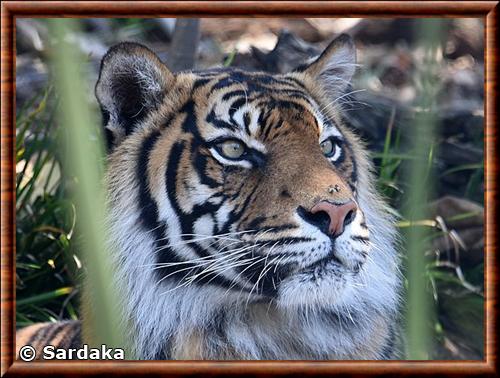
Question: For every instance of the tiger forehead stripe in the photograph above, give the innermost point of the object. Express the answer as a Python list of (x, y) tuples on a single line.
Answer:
[(248, 116), (254, 82), (249, 85), (251, 113)]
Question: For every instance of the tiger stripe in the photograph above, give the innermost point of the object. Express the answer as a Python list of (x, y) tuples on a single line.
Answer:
[(63, 334)]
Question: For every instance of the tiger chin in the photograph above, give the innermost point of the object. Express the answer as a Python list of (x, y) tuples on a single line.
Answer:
[(244, 222)]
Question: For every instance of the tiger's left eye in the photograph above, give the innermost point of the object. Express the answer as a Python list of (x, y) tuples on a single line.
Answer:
[(328, 147)]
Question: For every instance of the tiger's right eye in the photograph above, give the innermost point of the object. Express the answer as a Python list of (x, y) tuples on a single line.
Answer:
[(231, 149)]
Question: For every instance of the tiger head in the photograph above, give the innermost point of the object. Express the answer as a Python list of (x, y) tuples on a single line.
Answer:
[(246, 185)]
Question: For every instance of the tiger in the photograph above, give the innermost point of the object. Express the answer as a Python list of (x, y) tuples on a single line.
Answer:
[(244, 221)]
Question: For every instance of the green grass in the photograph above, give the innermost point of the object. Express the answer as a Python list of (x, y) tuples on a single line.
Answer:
[(47, 261), (456, 293)]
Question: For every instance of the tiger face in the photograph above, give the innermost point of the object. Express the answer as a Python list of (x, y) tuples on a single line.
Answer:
[(283, 195), (244, 182)]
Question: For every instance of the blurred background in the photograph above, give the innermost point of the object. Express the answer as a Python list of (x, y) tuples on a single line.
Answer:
[(397, 82)]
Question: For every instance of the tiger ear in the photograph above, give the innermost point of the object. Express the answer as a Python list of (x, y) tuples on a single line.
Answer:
[(132, 82), (336, 65)]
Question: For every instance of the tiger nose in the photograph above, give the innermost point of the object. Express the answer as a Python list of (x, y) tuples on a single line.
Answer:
[(340, 215)]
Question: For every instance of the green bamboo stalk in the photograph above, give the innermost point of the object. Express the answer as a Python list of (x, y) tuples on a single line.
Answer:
[(418, 314), (85, 157)]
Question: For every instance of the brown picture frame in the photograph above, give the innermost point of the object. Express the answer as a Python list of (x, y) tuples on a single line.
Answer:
[(10, 10)]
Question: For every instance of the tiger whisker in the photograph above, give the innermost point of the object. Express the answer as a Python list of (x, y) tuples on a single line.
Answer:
[(264, 271), (261, 275), (202, 260), (218, 255), (206, 235), (226, 268), (237, 252), (186, 284), (190, 261), (206, 270), (177, 271), (339, 98), (239, 275), (183, 243)]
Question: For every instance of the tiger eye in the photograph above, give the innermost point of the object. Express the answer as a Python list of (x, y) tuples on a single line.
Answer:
[(232, 149), (327, 147)]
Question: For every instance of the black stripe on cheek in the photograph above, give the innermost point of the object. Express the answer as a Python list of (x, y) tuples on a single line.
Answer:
[(236, 214), (186, 220), (149, 211), (287, 241), (147, 206), (270, 229), (197, 158), (200, 163), (256, 223)]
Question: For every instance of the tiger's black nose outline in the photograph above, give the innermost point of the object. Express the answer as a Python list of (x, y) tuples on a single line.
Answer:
[(330, 218)]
